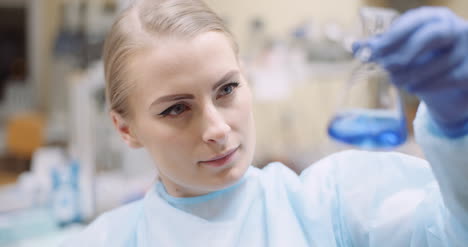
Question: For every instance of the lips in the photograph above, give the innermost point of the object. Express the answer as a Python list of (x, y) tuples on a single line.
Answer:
[(221, 159)]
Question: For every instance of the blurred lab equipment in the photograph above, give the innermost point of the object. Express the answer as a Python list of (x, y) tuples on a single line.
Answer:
[(65, 196), (370, 112), (111, 174), (42, 200), (25, 134)]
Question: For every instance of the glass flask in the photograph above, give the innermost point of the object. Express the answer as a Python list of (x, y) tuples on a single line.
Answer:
[(370, 110)]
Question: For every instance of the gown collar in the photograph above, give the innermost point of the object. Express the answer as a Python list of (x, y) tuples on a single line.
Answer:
[(161, 190)]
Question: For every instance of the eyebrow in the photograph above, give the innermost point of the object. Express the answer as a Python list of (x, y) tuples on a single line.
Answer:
[(176, 97)]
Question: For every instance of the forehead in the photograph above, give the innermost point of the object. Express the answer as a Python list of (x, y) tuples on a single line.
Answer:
[(172, 62)]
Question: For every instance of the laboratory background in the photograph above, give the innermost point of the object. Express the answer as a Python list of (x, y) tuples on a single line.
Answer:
[(61, 162)]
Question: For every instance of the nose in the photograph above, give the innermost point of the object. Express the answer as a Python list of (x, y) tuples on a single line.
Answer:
[(216, 129)]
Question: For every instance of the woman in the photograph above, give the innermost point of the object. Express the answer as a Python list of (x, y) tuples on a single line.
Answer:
[(175, 88)]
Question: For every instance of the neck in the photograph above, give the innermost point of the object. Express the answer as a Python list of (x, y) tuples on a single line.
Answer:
[(176, 190)]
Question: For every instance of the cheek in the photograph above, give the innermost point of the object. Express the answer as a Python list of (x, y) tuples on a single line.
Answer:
[(165, 143), (246, 101), (247, 126), (244, 116)]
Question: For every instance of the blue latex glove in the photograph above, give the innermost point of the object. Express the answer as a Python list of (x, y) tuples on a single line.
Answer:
[(426, 53)]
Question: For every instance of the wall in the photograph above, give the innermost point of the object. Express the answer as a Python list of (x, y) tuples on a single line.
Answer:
[(458, 6), (279, 16)]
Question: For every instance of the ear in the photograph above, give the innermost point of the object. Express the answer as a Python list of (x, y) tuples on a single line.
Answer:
[(124, 130)]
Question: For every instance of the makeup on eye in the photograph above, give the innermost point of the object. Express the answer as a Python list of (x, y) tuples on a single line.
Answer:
[(179, 108), (175, 110), (227, 89)]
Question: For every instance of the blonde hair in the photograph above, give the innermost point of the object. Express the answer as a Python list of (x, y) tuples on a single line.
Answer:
[(140, 24)]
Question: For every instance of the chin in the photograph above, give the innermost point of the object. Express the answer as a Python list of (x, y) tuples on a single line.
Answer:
[(230, 176)]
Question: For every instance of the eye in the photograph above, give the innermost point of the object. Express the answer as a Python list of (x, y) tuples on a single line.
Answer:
[(227, 89), (174, 110)]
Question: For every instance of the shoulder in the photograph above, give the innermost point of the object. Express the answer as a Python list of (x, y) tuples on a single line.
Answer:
[(360, 179), (277, 173), (115, 228), (353, 165), (369, 185)]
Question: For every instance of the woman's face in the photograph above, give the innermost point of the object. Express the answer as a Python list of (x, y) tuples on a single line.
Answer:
[(191, 109)]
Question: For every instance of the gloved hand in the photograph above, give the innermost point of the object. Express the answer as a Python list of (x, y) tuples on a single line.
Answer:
[(426, 53)]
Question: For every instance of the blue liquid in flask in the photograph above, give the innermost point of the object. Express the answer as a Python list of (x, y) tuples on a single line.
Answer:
[(368, 129)]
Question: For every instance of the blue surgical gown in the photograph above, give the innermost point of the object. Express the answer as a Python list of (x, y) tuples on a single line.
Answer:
[(352, 198)]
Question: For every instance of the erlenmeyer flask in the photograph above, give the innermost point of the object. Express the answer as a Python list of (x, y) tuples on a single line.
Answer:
[(370, 112)]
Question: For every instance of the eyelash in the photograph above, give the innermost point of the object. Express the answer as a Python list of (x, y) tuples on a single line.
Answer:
[(234, 85), (167, 112)]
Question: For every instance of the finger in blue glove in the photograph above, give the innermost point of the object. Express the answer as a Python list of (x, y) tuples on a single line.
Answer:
[(425, 53)]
